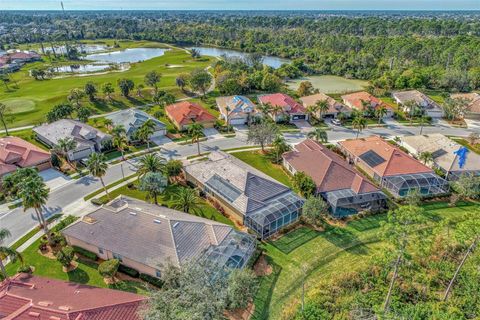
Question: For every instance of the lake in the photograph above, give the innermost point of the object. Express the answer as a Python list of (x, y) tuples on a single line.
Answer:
[(331, 84), (128, 55), (81, 68), (274, 62)]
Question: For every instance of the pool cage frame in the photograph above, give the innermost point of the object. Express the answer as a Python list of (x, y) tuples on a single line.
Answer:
[(346, 202), (428, 184), (233, 252)]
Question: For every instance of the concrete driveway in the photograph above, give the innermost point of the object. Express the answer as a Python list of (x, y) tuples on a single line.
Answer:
[(473, 124), (304, 126), (211, 133), (54, 179), (161, 140)]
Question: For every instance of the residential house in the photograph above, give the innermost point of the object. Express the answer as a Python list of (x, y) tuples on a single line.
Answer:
[(17, 153), (184, 113), (237, 110), (25, 296), (450, 157), (147, 237), (334, 107), (133, 119), (246, 194), (430, 107), (87, 138), (287, 107), (392, 168), (22, 57), (363, 101), (344, 188), (473, 109)]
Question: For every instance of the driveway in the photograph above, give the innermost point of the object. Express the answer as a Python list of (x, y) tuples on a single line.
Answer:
[(304, 126), (161, 140), (211, 133), (54, 179), (473, 124)]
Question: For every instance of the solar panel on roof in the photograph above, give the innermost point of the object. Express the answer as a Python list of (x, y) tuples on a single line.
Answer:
[(372, 158)]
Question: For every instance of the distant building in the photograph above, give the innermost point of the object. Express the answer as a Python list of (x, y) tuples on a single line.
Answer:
[(287, 106), (473, 109), (445, 154), (25, 297), (334, 107), (237, 110), (133, 119), (147, 237), (248, 195), (184, 113), (363, 100), (344, 188), (392, 168), (17, 153), (23, 56), (87, 138), (430, 107)]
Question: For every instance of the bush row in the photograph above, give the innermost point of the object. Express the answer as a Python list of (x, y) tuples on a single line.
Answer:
[(87, 254)]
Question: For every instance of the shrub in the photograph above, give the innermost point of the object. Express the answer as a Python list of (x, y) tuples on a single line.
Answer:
[(24, 269), (152, 280), (65, 222), (87, 254), (109, 268), (129, 271), (65, 256), (98, 201)]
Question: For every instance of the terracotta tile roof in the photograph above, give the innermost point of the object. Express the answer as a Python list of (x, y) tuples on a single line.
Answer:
[(333, 105), (355, 100), (393, 160), (32, 297), (184, 112), (474, 106), (329, 171), (282, 100), (16, 152)]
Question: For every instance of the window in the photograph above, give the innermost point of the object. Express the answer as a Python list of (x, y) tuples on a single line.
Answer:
[(100, 250), (117, 256), (158, 273)]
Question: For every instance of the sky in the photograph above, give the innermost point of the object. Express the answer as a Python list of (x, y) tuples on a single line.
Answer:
[(241, 4)]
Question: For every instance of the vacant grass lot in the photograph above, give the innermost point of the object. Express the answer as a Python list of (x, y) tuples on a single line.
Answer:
[(331, 84), (33, 99), (321, 254)]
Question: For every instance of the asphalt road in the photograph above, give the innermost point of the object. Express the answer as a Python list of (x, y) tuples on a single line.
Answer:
[(20, 222)]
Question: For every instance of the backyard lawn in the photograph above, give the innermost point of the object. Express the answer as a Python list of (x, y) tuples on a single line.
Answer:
[(262, 163), (322, 254)]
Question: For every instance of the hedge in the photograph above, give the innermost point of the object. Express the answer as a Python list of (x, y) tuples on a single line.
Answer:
[(129, 271), (98, 201), (87, 254), (152, 280)]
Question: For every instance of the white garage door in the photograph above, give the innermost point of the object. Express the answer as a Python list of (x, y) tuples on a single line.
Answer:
[(237, 121), (159, 133)]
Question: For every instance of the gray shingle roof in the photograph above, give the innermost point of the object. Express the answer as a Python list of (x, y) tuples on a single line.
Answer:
[(149, 234), (132, 119)]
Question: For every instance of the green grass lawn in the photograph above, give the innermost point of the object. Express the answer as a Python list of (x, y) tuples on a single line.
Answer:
[(337, 249), (262, 163), (33, 99), (475, 148), (166, 199)]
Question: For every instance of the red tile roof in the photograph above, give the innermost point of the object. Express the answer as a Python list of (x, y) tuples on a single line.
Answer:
[(184, 112), (329, 171), (333, 105), (23, 55), (355, 100), (284, 101), (31, 297), (16, 152), (396, 161)]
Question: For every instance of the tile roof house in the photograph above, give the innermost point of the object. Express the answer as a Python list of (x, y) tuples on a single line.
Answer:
[(361, 100), (18, 153), (290, 108), (474, 104), (393, 168), (25, 297), (185, 113), (429, 106), (339, 183), (147, 237), (334, 107), (133, 119), (445, 154), (23, 56), (248, 195), (240, 109), (87, 138)]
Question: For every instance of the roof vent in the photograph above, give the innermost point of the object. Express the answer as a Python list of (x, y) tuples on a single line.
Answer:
[(89, 220), (45, 303), (175, 224), (132, 213), (54, 318), (64, 308), (157, 221), (34, 314)]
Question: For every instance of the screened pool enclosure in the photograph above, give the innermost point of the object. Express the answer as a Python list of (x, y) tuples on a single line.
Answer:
[(233, 252), (428, 184), (277, 214), (345, 202)]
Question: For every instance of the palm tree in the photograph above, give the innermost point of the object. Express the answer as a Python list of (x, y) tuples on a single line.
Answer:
[(34, 195), (146, 131), (423, 120), (150, 163), (359, 123), (64, 145), (227, 110), (322, 106), (312, 110), (275, 111), (265, 108), (6, 252), (119, 139), (280, 146), (195, 130), (187, 200), (108, 123), (4, 112), (97, 166), (380, 112), (319, 135), (425, 157)]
